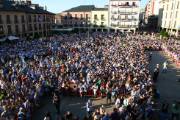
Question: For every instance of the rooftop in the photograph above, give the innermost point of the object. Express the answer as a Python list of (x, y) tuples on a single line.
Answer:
[(23, 7), (80, 8)]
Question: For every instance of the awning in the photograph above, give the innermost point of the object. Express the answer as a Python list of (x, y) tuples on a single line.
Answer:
[(12, 38)]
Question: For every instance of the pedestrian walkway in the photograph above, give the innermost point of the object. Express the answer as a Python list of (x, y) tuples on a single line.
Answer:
[(167, 83)]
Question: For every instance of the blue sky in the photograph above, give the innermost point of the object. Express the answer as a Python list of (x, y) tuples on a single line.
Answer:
[(57, 6)]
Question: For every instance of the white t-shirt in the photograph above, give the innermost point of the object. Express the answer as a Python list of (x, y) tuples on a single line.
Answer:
[(46, 118)]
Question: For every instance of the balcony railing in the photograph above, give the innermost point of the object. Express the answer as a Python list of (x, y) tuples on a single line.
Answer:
[(124, 13), (114, 19), (124, 26), (124, 6)]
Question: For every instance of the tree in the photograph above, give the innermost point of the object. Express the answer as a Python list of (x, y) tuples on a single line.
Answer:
[(163, 33)]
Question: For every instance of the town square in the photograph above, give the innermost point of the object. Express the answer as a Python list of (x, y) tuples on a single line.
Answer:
[(90, 60)]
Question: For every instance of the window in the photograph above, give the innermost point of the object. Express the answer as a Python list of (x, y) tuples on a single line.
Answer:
[(95, 17), (1, 29), (176, 13), (44, 18), (102, 17), (178, 5), (172, 6), (165, 24), (22, 19), (127, 3), (75, 15), (134, 4), (9, 29), (171, 15), (102, 23), (126, 17), (35, 27), (30, 27), (29, 18), (133, 18), (175, 24), (86, 16), (1, 22), (8, 19), (23, 28), (70, 16), (35, 20), (81, 16), (119, 17), (65, 17), (15, 19), (44, 26), (40, 27), (17, 29)]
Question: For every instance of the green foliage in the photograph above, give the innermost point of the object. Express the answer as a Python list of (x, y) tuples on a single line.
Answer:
[(163, 33), (36, 35)]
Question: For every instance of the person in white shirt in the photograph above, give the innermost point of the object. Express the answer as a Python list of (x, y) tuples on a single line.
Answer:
[(117, 103), (164, 67), (48, 116), (95, 90)]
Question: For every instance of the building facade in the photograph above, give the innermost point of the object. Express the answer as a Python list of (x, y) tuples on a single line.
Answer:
[(99, 17), (124, 14), (151, 9), (79, 16), (170, 20), (23, 19)]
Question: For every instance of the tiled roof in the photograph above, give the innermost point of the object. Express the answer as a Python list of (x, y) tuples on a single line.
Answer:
[(12, 6), (81, 8)]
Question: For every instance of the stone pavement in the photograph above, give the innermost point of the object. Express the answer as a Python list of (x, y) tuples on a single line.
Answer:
[(167, 85)]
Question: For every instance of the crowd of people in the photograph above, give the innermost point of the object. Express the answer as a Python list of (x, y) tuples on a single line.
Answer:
[(172, 48), (103, 65)]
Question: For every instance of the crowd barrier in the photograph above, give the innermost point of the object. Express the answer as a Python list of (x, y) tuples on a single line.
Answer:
[(173, 56)]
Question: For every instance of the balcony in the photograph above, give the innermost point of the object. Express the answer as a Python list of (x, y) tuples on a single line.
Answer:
[(124, 26), (124, 6), (127, 13), (124, 13), (134, 19), (124, 20)]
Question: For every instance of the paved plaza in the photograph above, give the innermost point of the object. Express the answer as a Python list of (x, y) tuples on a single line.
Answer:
[(167, 82), (167, 85)]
